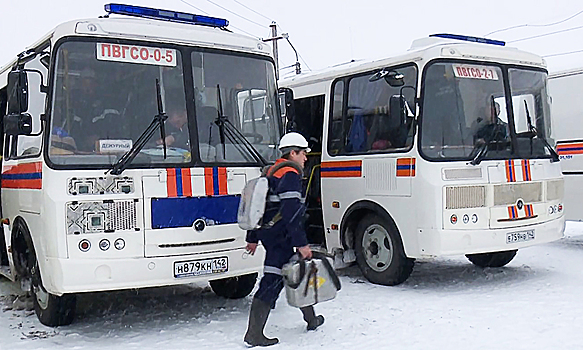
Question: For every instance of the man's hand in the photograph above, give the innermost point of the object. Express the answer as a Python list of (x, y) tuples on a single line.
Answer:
[(251, 248), (169, 140), (305, 251)]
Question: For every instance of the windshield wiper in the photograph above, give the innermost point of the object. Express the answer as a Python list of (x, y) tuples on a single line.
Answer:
[(481, 149), (226, 128), (158, 121), (533, 132)]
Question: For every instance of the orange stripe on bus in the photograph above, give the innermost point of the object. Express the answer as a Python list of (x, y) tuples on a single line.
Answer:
[(208, 181), (35, 167), (341, 174), (222, 181), (171, 183), (342, 163), (35, 184), (186, 183)]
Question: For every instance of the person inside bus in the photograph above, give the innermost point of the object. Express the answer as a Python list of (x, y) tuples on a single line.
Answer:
[(490, 128), (280, 239), (90, 118), (176, 127)]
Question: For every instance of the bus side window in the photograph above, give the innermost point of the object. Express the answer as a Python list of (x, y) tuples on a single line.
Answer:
[(368, 121), (335, 129), (309, 120)]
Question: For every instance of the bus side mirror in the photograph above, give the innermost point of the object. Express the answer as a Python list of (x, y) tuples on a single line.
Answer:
[(17, 92), (287, 108), (18, 124), (397, 110)]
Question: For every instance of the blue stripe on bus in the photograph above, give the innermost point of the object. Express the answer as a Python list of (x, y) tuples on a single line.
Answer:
[(182, 212), (179, 191), (348, 168), (22, 176), (216, 181)]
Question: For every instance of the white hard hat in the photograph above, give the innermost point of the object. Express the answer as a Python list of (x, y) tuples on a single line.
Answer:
[(293, 140)]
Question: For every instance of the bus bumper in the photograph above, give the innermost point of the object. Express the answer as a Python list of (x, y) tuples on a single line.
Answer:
[(92, 275), (434, 242)]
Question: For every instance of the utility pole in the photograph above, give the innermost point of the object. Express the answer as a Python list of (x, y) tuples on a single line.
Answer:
[(273, 27), (275, 38)]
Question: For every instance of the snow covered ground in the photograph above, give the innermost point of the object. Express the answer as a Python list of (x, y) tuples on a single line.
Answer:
[(533, 303)]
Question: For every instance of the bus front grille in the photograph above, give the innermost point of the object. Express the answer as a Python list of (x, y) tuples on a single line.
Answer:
[(461, 197)]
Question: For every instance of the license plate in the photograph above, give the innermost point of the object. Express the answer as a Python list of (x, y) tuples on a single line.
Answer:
[(521, 236), (201, 267)]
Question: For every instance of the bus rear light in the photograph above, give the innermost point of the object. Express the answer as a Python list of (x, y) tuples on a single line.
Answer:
[(453, 219), (463, 197), (84, 245)]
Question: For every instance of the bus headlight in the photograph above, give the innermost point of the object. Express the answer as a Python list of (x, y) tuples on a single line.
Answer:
[(119, 244), (104, 244)]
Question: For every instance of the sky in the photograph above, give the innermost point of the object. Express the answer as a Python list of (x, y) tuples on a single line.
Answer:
[(329, 32)]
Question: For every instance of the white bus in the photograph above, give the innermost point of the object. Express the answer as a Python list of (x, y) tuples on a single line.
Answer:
[(126, 146), (567, 107), (443, 150)]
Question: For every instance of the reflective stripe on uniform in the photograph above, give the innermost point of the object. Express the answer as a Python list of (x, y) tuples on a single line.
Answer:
[(290, 194), (272, 269), (273, 198)]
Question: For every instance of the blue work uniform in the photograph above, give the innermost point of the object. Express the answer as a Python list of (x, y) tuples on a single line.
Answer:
[(286, 208)]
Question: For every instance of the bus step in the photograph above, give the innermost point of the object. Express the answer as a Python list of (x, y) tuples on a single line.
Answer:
[(6, 272)]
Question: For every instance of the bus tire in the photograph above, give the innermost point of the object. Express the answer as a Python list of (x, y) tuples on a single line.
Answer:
[(234, 287), (51, 310), (495, 259), (379, 251)]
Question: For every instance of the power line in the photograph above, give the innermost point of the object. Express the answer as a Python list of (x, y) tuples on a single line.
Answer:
[(562, 53), (206, 13), (191, 5), (535, 25), (236, 14), (252, 10), (546, 34)]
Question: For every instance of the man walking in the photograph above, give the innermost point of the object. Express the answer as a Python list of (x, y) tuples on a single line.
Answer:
[(283, 232)]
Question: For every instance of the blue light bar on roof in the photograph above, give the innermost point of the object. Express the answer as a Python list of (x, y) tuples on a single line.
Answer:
[(469, 38), (165, 15)]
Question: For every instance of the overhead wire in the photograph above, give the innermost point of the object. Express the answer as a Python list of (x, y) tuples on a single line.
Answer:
[(546, 34), (562, 53), (536, 25), (252, 10), (206, 13), (236, 14), (249, 20)]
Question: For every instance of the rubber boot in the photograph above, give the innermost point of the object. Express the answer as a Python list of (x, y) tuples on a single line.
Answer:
[(257, 319), (311, 318)]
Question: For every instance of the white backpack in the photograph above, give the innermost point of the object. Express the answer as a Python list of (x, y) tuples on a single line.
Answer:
[(254, 197)]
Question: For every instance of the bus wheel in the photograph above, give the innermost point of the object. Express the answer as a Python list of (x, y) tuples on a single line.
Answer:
[(380, 253), (234, 287), (51, 310), (496, 259)]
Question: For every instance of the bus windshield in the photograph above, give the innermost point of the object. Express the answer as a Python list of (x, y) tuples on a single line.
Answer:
[(465, 111), (104, 97)]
